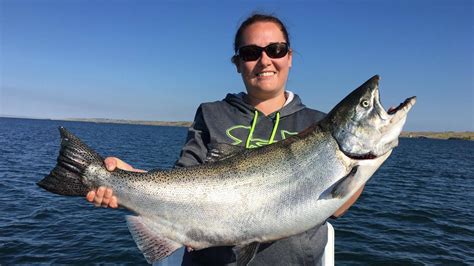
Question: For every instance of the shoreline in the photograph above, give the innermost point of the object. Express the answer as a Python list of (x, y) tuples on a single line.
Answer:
[(130, 122), (111, 121), (446, 135)]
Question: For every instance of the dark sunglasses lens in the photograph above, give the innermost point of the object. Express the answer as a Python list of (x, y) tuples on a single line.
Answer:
[(276, 50), (250, 53), (253, 52)]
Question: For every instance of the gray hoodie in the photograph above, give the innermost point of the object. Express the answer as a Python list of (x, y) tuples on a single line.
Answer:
[(233, 121)]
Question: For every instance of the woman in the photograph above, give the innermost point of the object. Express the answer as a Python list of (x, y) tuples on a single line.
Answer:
[(265, 114)]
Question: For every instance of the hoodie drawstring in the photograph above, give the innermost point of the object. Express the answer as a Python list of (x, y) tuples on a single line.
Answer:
[(275, 127), (252, 128), (254, 123)]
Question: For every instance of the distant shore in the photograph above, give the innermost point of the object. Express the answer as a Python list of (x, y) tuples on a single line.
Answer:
[(131, 122), (459, 135)]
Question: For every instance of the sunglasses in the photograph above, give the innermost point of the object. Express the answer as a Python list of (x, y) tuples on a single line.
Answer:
[(253, 52)]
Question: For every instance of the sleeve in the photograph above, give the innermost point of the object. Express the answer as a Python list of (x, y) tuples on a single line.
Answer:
[(194, 151)]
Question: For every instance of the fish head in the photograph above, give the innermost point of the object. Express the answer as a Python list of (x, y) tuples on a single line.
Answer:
[(362, 127)]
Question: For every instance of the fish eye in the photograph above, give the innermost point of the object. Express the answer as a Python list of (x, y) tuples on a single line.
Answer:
[(365, 103)]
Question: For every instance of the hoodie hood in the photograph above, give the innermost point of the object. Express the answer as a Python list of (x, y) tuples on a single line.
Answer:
[(292, 105)]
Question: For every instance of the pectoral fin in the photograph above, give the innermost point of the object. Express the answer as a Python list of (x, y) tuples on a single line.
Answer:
[(346, 185), (246, 253), (343, 187), (153, 246)]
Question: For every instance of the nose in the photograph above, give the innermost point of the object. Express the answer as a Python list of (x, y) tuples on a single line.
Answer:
[(265, 59)]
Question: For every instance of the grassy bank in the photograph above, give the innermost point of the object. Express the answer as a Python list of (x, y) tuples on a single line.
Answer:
[(132, 122), (467, 135)]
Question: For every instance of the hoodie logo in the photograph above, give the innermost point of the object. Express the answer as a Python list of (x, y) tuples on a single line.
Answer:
[(239, 134)]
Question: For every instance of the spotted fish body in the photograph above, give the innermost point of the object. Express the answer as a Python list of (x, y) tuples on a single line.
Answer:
[(249, 197)]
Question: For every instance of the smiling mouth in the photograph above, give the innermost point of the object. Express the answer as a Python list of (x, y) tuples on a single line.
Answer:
[(265, 74)]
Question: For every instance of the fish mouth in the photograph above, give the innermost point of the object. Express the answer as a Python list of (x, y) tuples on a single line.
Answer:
[(397, 116), (393, 114), (406, 106)]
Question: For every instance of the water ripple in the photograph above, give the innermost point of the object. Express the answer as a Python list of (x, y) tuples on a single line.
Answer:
[(416, 210)]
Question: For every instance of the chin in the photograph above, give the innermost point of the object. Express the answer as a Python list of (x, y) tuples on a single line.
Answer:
[(266, 87)]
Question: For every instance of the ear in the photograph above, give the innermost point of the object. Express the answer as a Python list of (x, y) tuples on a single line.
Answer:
[(290, 57), (236, 62)]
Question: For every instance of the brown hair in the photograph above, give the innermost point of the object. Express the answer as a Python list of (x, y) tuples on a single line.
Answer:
[(257, 17)]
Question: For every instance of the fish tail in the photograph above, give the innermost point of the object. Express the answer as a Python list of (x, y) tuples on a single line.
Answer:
[(74, 157)]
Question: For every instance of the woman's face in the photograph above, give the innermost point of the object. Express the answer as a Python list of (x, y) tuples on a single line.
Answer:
[(265, 77)]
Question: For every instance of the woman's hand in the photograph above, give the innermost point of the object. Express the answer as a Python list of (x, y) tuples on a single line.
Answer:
[(103, 196)]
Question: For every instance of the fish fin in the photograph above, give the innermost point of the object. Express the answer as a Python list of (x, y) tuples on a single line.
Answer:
[(153, 246), (246, 253), (342, 187), (220, 151), (74, 157)]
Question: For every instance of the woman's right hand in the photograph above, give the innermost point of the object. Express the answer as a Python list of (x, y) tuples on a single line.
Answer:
[(103, 196)]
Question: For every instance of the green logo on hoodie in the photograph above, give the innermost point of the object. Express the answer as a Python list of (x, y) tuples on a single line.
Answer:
[(254, 142)]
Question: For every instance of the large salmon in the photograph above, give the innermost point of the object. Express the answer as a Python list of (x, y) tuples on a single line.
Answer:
[(249, 197)]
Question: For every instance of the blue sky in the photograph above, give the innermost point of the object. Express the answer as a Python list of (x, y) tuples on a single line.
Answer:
[(158, 60)]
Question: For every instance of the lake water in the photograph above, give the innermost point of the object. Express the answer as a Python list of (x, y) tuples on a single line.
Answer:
[(417, 209)]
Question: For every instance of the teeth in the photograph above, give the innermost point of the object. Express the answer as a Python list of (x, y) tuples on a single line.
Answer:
[(265, 74)]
